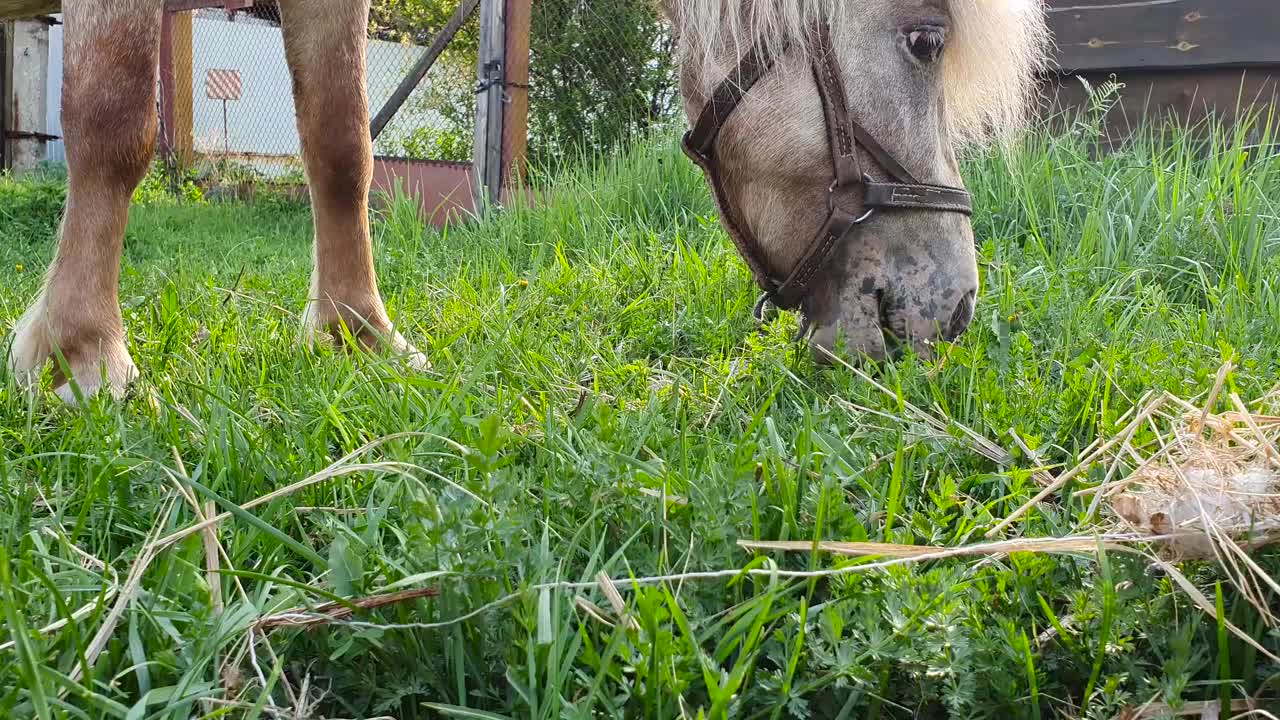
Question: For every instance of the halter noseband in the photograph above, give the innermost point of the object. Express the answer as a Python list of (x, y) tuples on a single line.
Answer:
[(845, 137)]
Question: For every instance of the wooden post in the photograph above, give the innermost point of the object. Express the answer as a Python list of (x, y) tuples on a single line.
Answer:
[(515, 146), (177, 104), (489, 102), (184, 87), (4, 95), (167, 92), (26, 98)]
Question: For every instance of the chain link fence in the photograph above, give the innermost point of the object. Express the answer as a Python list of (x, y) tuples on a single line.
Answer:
[(601, 74), (241, 103)]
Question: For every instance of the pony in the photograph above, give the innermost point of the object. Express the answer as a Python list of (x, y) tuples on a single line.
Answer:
[(926, 78)]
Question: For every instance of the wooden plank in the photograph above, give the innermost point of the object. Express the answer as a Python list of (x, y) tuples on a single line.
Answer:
[(1189, 96), (27, 103), (168, 93), (28, 8), (32, 8), (184, 147), (443, 190), (515, 126), (177, 102), (4, 94), (489, 106), (420, 68), (175, 6), (1164, 34)]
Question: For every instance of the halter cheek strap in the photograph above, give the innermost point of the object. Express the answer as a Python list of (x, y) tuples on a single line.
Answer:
[(844, 138)]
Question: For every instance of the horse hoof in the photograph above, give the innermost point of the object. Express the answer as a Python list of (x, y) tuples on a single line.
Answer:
[(414, 359), (95, 364), (375, 336)]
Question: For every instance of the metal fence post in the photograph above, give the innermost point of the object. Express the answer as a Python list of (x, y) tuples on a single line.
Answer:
[(490, 97)]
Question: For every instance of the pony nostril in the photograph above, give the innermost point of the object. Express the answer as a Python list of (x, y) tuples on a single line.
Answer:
[(961, 318), (882, 308)]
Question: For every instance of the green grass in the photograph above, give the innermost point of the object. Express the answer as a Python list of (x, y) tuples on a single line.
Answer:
[(601, 401)]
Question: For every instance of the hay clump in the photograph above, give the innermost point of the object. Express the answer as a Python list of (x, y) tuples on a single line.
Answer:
[(1208, 478)]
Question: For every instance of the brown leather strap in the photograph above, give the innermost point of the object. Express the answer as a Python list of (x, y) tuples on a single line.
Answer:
[(751, 252), (792, 292), (700, 145), (918, 197), (887, 161), (835, 108), (725, 99)]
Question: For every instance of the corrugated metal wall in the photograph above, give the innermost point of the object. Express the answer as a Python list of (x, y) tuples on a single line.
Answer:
[(55, 151)]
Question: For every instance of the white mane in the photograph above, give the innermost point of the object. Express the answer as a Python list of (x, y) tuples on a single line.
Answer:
[(994, 53)]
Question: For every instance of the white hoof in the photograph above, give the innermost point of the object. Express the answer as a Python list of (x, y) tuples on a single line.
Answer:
[(374, 334), (97, 362)]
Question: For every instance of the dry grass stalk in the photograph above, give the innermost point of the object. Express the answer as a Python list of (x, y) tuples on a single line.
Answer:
[(1208, 488), (673, 499), (309, 509), (334, 611), (88, 608), (1126, 435), (941, 425), (1206, 709), (88, 560), (79, 614), (125, 596), (592, 610), (340, 468), (614, 597), (208, 536), (714, 412), (1081, 544), (1205, 604), (1215, 482)]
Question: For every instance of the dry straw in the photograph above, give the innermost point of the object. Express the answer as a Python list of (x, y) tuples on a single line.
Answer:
[(1199, 482), (1210, 479)]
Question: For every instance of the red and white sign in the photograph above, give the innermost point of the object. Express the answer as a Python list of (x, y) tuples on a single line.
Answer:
[(223, 85)]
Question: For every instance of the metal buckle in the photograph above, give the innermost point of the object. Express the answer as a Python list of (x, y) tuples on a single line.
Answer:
[(806, 327), (831, 199), (761, 305), (686, 144), (806, 322)]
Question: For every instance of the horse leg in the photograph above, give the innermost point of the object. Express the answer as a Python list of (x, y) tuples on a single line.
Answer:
[(108, 115), (325, 45)]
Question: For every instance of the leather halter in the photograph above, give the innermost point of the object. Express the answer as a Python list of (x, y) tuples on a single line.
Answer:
[(845, 137)]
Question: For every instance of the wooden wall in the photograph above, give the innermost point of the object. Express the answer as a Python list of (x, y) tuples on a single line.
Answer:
[(1183, 58), (28, 8)]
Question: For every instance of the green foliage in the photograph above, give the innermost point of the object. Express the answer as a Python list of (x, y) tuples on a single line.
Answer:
[(428, 143), (30, 209), (161, 185), (447, 94), (601, 401), (602, 74), (416, 21)]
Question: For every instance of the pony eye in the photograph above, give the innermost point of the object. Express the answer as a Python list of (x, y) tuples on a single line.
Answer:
[(926, 43)]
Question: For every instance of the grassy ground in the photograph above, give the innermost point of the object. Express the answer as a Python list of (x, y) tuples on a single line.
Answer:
[(602, 402)]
